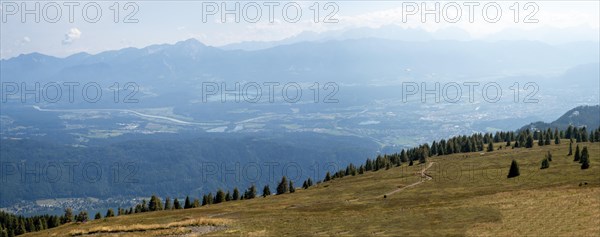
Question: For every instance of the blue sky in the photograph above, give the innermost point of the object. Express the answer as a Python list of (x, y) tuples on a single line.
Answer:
[(169, 22)]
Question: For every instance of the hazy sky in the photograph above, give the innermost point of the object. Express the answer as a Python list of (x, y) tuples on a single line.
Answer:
[(172, 21)]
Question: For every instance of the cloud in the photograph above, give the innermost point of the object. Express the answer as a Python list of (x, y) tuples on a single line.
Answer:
[(24, 41), (71, 36)]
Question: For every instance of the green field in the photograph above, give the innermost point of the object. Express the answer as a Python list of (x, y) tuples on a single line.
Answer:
[(468, 194)]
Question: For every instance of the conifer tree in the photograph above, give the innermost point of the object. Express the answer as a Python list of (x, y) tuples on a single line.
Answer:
[(211, 199), (168, 204), (98, 216), (82, 217), (155, 204), (176, 204), (282, 187), (570, 148), (68, 216), (109, 213), (327, 177), (403, 156), (220, 197), (577, 154), (41, 224), (228, 196), (529, 142), (205, 200), (514, 169), (266, 191), (196, 203), (250, 193), (422, 157), (144, 206), (188, 203), (236, 194), (545, 164), (490, 147), (291, 187), (584, 152), (585, 158)]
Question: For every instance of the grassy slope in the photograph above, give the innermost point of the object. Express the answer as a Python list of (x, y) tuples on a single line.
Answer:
[(469, 195)]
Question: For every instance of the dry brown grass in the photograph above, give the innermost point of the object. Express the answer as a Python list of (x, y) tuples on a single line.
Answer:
[(548, 212), (148, 227)]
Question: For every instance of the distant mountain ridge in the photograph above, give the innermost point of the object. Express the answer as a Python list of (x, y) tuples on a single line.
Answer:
[(355, 60), (585, 115), (396, 32)]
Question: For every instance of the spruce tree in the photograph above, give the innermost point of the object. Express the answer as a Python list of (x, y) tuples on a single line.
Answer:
[(422, 157), (220, 197), (282, 187), (196, 203), (548, 138), (577, 154), (168, 203), (327, 177), (529, 143), (68, 216), (236, 194), (82, 216), (109, 213), (250, 193), (490, 147), (144, 206), (291, 187), (585, 158), (211, 199), (155, 204), (187, 204), (176, 204), (403, 156), (228, 196), (205, 200), (98, 216), (545, 164), (514, 169), (41, 224), (266, 191), (570, 148)]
